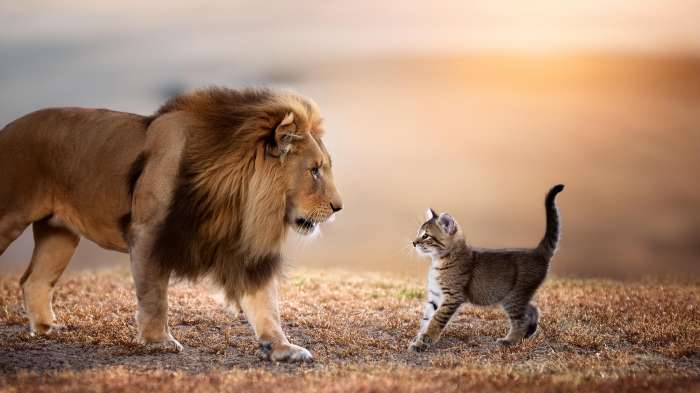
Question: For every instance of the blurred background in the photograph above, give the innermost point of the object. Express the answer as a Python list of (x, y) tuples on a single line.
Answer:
[(474, 108)]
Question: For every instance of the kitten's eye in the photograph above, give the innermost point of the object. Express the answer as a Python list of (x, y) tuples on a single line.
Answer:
[(315, 172), (425, 236)]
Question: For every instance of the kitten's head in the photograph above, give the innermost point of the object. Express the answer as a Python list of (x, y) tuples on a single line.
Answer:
[(437, 234)]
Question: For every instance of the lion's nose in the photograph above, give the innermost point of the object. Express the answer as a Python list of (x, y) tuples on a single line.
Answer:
[(336, 208)]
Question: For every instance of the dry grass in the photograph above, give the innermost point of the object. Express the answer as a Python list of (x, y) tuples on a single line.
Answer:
[(595, 335)]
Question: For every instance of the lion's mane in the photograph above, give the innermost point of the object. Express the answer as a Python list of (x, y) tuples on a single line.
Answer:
[(227, 215)]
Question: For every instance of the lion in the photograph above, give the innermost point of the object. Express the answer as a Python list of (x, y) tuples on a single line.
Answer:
[(206, 187)]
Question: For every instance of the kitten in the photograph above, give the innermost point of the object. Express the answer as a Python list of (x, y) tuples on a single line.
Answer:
[(460, 273)]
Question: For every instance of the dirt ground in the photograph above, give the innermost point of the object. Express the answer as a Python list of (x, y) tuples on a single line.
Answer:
[(595, 335)]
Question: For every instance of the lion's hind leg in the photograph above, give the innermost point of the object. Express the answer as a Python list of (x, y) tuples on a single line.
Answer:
[(54, 245)]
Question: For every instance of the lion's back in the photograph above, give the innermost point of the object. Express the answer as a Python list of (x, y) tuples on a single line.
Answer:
[(72, 161)]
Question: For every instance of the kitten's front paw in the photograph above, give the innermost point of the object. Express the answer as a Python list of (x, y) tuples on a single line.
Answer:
[(420, 343)]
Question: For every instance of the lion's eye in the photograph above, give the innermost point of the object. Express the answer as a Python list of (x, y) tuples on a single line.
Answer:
[(315, 172)]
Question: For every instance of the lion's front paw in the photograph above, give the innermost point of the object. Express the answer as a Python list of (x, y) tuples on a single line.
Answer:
[(285, 353), (169, 344), (43, 329), (420, 343)]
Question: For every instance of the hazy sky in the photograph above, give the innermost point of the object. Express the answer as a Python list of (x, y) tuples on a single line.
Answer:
[(132, 55), (328, 26)]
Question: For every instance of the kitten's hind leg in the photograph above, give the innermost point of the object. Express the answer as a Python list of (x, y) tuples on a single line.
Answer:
[(533, 315), (517, 311)]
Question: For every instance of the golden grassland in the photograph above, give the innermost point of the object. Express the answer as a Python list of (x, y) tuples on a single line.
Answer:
[(595, 335)]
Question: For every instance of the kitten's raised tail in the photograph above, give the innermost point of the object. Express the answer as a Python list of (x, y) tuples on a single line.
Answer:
[(549, 244)]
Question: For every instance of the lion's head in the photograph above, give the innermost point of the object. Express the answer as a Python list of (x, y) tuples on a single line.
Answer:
[(311, 196), (254, 164)]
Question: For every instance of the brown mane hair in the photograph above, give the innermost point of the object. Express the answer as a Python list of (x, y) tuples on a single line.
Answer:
[(227, 215)]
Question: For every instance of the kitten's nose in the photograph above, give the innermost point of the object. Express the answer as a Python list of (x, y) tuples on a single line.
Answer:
[(414, 243)]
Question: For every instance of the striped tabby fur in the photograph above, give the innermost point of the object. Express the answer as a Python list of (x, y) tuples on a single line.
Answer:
[(460, 273)]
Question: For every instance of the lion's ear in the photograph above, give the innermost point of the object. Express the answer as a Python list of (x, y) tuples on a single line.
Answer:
[(285, 135)]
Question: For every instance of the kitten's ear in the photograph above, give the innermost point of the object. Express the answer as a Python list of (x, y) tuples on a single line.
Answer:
[(284, 136), (430, 214), (447, 224)]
